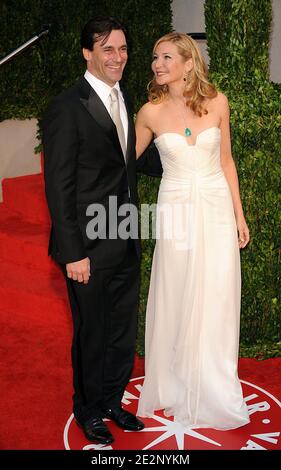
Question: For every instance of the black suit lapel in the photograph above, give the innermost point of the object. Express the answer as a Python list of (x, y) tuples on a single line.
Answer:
[(98, 111)]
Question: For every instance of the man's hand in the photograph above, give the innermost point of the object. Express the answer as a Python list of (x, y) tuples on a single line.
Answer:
[(79, 270)]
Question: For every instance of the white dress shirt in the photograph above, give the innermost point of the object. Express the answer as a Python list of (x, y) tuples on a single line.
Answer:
[(103, 91)]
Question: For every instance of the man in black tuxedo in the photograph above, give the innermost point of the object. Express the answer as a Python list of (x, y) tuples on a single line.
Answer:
[(89, 150)]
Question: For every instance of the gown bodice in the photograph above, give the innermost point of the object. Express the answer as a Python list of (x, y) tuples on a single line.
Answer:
[(183, 162)]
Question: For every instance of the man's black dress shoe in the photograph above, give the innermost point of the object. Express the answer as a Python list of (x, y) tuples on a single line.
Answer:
[(96, 430), (124, 419)]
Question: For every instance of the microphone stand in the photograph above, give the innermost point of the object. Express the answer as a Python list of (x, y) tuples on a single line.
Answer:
[(25, 45)]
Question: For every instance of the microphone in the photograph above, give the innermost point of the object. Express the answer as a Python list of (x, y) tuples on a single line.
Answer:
[(43, 31)]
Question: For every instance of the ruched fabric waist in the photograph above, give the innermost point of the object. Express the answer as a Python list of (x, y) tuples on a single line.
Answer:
[(214, 180)]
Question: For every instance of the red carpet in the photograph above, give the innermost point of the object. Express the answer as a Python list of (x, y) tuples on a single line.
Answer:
[(36, 331)]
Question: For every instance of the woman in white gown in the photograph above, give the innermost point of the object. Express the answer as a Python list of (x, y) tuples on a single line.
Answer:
[(193, 309)]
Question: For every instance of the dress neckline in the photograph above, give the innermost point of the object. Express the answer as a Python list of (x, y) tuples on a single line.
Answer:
[(180, 135)]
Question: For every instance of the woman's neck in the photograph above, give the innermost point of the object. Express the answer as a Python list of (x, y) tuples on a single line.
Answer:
[(176, 94)]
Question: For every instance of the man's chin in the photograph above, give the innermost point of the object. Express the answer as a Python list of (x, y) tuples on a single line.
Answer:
[(116, 77)]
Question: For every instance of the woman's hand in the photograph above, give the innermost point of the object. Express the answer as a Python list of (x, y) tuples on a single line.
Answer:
[(243, 232)]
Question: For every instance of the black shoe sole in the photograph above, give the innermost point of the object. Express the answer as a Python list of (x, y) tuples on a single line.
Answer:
[(98, 441)]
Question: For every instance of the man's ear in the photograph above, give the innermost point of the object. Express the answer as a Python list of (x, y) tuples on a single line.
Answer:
[(86, 54)]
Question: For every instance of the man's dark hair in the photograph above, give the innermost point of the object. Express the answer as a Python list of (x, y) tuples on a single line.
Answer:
[(99, 28)]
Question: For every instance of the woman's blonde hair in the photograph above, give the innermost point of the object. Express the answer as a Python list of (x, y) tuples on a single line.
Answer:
[(197, 86)]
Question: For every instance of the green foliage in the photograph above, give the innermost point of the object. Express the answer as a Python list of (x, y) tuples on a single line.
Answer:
[(238, 37), (30, 80), (261, 350)]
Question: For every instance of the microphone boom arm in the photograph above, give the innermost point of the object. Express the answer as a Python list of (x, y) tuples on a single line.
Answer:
[(24, 46)]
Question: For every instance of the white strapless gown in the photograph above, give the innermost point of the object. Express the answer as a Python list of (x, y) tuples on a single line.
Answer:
[(193, 309)]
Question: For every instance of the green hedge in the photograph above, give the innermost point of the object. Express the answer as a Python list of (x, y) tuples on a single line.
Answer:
[(30, 80), (238, 42)]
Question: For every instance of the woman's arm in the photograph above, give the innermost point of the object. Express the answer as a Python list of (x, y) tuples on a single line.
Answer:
[(230, 172), (143, 132)]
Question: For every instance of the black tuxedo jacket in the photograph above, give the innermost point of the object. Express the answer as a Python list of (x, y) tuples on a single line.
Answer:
[(84, 164)]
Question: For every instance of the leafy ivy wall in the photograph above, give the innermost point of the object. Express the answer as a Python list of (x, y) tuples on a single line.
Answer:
[(31, 79), (238, 35)]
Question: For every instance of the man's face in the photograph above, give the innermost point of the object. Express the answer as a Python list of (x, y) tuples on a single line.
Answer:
[(108, 58)]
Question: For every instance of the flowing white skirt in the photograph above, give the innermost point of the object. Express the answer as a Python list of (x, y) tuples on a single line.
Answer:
[(193, 310)]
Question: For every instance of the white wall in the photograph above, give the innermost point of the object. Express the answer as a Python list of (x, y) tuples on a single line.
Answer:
[(17, 143), (188, 16), (275, 47)]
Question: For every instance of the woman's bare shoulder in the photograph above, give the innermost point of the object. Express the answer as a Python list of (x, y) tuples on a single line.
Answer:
[(218, 104), (149, 109), (148, 115), (221, 99)]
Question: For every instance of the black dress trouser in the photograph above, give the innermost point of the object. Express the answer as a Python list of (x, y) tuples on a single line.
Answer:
[(104, 313)]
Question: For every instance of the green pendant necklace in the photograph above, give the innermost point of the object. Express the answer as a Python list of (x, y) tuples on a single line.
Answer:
[(187, 131)]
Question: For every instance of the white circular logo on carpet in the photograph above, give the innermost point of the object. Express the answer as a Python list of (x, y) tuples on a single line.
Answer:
[(161, 433)]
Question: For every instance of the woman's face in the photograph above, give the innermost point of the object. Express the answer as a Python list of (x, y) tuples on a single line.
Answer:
[(168, 65)]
